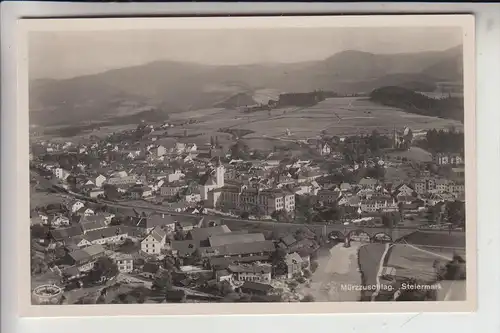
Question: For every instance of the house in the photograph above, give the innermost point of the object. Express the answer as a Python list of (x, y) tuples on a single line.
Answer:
[(368, 183), (164, 222), (329, 196), (171, 190), (324, 148), (203, 234), (124, 262), (287, 242), (109, 235), (85, 212), (60, 220), (61, 173), (150, 270), (154, 242), (251, 272), (420, 186), (94, 222), (186, 225), (65, 234), (448, 159), (192, 198), (404, 190), (108, 217), (294, 264), (99, 181), (239, 249), (234, 238), (442, 185), (96, 192), (84, 259), (175, 176), (223, 275), (379, 204), (44, 218), (456, 188), (345, 187), (77, 206), (185, 248)]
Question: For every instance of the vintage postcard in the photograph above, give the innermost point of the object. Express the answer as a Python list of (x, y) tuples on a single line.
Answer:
[(203, 165)]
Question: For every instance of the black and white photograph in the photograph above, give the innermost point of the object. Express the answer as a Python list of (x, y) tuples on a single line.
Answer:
[(250, 160)]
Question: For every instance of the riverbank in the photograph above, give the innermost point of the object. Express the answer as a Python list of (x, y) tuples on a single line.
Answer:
[(337, 273)]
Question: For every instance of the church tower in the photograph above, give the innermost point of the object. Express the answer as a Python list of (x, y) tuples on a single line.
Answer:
[(219, 174)]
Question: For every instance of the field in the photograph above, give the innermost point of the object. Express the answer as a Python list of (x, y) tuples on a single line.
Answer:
[(336, 116), (415, 154), (42, 198), (412, 263)]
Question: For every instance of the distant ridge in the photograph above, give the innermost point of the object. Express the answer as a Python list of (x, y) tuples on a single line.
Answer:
[(168, 86)]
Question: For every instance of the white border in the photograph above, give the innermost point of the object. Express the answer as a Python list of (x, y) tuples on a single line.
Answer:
[(489, 165)]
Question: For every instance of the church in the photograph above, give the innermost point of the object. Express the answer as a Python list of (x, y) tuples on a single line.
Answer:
[(212, 180)]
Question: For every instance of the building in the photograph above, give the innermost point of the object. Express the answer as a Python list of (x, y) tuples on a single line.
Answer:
[(368, 183), (124, 262), (456, 188), (91, 223), (212, 181), (239, 250), (61, 174), (403, 191), (154, 242), (160, 151), (441, 185), (109, 235), (379, 205), (127, 180), (252, 273), (324, 148), (95, 193), (171, 190), (329, 196), (99, 180), (165, 222), (77, 206), (448, 159), (84, 259), (293, 263), (175, 176), (235, 238)]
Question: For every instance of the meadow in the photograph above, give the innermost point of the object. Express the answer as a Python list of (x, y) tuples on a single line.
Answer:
[(340, 116)]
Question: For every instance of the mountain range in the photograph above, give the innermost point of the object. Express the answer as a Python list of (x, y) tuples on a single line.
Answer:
[(167, 86)]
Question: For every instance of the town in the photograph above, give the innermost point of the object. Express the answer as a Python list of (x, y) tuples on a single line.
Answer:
[(143, 216)]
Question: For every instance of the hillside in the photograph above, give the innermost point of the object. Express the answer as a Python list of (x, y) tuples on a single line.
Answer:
[(413, 102), (170, 87)]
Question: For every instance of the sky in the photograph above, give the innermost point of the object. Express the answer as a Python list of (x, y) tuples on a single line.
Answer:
[(70, 54)]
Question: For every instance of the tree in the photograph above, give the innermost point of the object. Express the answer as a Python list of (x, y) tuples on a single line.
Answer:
[(104, 269), (39, 231), (163, 282), (314, 266), (239, 151), (224, 288), (281, 215)]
